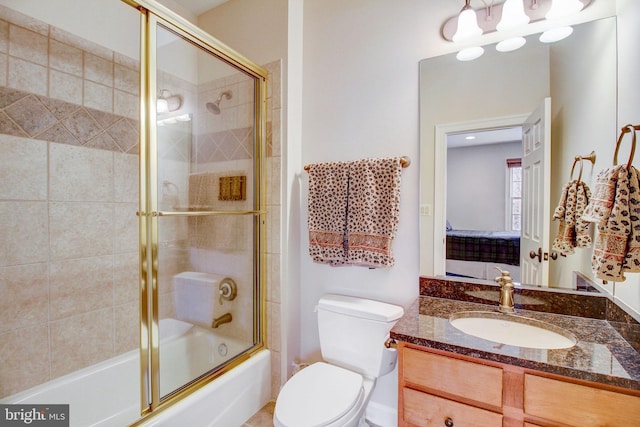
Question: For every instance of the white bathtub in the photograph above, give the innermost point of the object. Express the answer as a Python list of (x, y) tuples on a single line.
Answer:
[(107, 394)]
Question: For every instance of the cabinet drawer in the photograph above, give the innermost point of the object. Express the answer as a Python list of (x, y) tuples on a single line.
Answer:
[(422, 409), (457, 377), (576, 404)]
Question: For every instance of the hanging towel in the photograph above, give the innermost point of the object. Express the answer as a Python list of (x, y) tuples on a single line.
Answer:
[(601, 201), (610, 248), (373, 211), (632, 256), (327, 221), (573, 230)]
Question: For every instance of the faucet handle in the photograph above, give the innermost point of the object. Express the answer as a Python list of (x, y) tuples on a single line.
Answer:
[(504, 278)]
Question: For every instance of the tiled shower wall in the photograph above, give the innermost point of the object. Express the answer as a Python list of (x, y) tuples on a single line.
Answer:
[(68, 196)]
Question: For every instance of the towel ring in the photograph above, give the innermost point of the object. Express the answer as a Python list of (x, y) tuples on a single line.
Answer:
[(591, 157), (626, 129)]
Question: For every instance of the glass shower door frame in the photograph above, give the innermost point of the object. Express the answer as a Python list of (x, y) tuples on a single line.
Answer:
[(152, 16)]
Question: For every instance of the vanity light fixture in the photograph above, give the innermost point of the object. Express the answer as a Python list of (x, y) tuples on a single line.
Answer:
[(509, 20), (167, 102), (560, 9), (468, 29)]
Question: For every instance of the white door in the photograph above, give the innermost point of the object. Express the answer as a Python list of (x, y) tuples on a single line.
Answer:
[(536, 210)]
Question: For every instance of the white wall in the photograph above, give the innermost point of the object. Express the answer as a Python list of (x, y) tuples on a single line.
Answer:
[(477, 185), (583, 118)]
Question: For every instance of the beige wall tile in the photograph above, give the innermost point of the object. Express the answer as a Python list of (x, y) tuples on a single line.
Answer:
[(127, 329), (65, 87), (27, 76), (24, 296), (4, 59), (98, 70), (80, 174), (80, 229), (24, 168), (28, 45), (126, 104), (80, 285), (4, 37), (127, 79), (125, 224), (98, 96), (125, 278), (25, 21), (86, 45), (24, 232), (24, 364), (125, 177), (80, 341), (65, 58)]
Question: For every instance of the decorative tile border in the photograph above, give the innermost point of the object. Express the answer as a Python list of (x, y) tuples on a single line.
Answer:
[(47, 119)]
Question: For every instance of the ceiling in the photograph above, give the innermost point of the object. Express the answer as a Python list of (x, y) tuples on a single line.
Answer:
[(198, 7), (483, 137)]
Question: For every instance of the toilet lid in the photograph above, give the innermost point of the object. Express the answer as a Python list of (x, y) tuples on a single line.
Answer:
[(318, 395)]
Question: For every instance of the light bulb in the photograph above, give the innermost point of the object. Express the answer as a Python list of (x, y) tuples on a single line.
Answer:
[(511, 44), (555, 34), (467, 26), (470, 53), (513, 16)]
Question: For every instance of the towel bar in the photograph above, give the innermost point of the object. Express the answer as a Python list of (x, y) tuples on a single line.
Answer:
[(405, 161)]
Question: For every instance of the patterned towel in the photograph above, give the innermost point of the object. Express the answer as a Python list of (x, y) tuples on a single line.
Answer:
[(373, 211), (353, 211), (573, 230), (632, 257), (327, 222), (610, 248), (601, 202)]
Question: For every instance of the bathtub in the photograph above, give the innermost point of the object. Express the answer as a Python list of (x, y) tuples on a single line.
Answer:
[(107, 394)]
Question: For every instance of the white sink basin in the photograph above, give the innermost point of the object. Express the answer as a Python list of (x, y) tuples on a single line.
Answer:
[(512, 330)]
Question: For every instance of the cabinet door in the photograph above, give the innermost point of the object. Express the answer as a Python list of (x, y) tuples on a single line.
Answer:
[(425, 410), (467, 380), (579, 405)]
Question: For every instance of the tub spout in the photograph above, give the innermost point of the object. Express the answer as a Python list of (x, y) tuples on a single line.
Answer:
[(225, 318)]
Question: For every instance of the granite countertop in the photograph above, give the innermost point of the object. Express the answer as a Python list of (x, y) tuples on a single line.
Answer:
[(601, 354)]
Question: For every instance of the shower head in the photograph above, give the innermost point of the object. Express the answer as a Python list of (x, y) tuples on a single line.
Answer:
[(214, 107)]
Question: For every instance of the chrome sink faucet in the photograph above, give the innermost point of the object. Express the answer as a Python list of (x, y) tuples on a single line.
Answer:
[(506, 291)]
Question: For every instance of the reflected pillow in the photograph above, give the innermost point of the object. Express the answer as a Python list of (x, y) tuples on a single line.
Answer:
[(449, 227)]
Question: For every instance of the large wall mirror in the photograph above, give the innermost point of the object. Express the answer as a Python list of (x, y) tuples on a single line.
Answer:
[(577, 80)]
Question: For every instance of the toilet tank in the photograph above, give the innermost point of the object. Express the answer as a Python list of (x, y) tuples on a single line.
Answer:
[(353, 331)]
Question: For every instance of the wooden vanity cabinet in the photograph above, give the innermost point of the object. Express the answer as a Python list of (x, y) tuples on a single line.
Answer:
[(438, 388)]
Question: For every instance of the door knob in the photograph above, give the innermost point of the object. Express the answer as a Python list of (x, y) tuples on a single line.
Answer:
[(538, 255)]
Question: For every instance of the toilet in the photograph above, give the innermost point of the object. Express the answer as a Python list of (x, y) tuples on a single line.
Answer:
[(336, 391)]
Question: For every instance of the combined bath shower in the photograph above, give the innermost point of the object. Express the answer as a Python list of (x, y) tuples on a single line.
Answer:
[(214, 107)]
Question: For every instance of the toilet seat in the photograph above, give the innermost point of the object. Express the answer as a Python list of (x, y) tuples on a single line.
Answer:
[(318, 395)]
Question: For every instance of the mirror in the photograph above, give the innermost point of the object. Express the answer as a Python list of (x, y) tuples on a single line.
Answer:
[(500, 90)]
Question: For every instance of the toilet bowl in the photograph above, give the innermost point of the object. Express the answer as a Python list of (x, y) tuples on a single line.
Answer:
[(336, 391)]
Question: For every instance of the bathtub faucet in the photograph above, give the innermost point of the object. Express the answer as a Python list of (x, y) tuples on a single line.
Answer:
[(225, 318)]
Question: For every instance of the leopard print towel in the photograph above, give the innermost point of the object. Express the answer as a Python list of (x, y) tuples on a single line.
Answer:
[(573, 230), (617, 246), (353, 212)]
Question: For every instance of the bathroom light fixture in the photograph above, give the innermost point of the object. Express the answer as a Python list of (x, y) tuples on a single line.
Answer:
[(509, 20), (167, 102), (467, 24), (513, 16)]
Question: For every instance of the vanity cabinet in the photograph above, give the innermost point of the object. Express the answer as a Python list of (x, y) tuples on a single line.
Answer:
[(438, 388)]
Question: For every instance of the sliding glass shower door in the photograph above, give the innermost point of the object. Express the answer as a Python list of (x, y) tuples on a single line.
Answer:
[(201, 210)]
